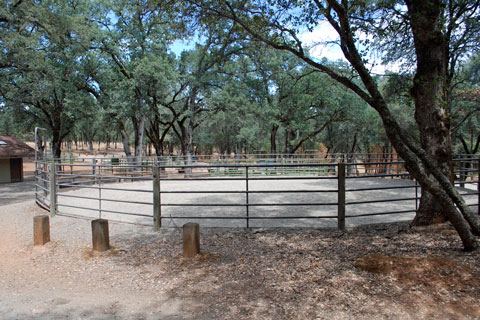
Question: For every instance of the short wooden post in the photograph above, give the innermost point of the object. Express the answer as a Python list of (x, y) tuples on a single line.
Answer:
[(341, 196), (157, 205), (53, 188), (41, 230), (100, 236), (191, 240)]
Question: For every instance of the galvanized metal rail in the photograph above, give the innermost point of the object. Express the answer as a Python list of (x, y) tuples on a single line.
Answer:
[(53, 178)]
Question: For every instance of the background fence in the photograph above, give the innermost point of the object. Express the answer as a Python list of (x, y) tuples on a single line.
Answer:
[(268, 192)]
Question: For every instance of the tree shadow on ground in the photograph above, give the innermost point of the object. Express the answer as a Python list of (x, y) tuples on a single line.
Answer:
[(16, 192), (307, 273)]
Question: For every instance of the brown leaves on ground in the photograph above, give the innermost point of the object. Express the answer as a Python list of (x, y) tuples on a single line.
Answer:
[(444, 282), (380, 271), (434, 272), (386, 271), (416, 270)]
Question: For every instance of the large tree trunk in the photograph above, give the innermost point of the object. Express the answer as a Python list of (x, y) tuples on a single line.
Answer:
[(189, 146), (139, 128), (190, 127), (431, 178), (430, 211), (125, 141), (419, 162), (429, 93), (182, 135), (288, 144), (56, 144), (157, 139), (273, 140), (39, 144), (59, 129)]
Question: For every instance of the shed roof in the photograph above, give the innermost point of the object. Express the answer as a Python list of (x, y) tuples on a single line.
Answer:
[(11, 147)]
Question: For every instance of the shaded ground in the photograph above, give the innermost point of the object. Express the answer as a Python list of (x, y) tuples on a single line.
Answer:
[(378, 271), (16, 192)]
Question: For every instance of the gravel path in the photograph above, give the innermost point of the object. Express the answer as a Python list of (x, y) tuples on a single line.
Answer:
[(64, 278)]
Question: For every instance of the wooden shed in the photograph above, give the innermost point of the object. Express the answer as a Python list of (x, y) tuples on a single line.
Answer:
[(12, 152)]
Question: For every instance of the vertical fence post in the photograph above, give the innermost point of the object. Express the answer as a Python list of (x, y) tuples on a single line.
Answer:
[(36, 180), (94, 170), (463, 174), (157, 205), (53, 188), (341, 196), (246, 197), (478, 186), (416, 195), (100, 191)]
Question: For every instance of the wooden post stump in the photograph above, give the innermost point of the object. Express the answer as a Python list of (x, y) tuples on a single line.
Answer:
[(41, 230), (191, 240), (100, 236)]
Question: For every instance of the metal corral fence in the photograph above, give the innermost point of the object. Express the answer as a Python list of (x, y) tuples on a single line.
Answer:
[(261, 158), (253, 194)]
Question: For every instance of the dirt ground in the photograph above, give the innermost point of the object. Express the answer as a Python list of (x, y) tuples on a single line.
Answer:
[(378, 271)]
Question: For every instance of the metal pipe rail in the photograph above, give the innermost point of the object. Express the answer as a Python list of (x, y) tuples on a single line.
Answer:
[(246, 179)]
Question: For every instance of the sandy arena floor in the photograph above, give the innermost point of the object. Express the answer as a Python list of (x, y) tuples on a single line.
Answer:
[(121, 193)]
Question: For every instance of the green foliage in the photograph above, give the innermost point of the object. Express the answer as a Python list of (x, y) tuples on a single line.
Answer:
[(81, 68), (44, 46), (466, 110)]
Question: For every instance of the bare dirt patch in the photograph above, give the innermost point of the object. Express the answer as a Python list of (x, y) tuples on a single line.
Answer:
[(440, 276), (375, 271)]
